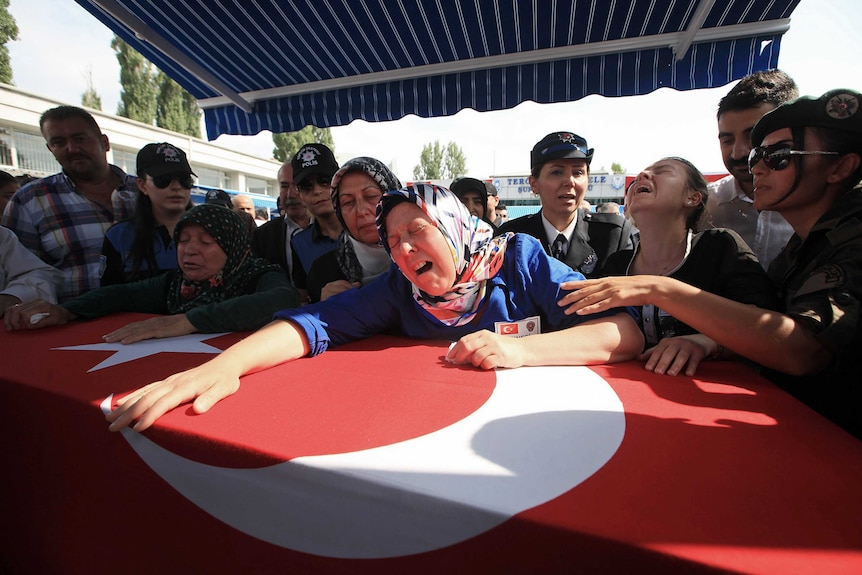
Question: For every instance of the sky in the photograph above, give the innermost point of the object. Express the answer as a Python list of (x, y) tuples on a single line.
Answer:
[(60, 45)]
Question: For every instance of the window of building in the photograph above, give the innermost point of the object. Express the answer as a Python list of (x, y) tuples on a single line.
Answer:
[(5, 148), (258, 186), (211, 178), (126, 161), (32, 153)]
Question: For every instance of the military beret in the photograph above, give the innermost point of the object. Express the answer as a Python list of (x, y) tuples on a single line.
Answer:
[(836, 110)]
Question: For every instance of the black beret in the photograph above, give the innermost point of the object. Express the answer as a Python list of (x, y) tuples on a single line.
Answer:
[(836, 110)]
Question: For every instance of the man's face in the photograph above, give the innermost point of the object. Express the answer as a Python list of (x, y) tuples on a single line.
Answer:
[(502, 214), (492, 203), (77, 147), (734, 137), (474, 204), (243, 204), (291, 205)]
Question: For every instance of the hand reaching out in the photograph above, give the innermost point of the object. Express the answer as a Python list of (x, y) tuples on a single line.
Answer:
[(155, 327), (487, 350), (205, 385), (672, 355), (36, 314)]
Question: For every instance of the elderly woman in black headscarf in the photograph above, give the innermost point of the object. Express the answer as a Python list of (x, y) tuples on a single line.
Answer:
[(359, 257), (218, 287)]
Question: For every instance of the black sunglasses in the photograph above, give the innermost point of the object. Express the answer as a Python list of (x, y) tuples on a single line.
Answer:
[(307, 185), (777, 156), (163, 181)]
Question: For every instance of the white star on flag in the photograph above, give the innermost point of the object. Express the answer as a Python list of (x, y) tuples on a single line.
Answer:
[(130, 352)]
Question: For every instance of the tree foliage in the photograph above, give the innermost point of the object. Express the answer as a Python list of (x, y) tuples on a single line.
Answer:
[(193, 115), (90, 98), (288, 143), (176, 109), (437, 162), (138, 81), (617, 168), (8, 32), (150, 96)]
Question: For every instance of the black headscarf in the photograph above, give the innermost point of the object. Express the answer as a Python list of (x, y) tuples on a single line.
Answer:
[(239, 271)]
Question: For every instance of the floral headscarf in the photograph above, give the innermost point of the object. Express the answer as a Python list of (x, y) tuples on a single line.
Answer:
[(240, 269), (360, 262), (477, 255)]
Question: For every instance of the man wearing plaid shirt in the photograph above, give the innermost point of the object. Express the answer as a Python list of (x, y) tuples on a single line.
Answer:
[(63, 218)]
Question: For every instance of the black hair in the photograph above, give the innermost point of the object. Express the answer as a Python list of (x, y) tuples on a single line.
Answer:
[(63, 113), (765, 87), (143, 256), (843, 142)]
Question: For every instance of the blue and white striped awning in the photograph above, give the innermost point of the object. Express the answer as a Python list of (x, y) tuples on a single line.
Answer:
[(281, 65)]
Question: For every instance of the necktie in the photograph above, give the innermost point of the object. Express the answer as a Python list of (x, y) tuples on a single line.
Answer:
[(558, 249)]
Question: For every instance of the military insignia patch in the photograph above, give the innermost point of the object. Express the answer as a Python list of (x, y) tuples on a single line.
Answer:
[(842, 106), (828, 277)]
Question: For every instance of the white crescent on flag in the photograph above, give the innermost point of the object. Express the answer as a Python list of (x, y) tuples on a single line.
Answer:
[(543, 431)]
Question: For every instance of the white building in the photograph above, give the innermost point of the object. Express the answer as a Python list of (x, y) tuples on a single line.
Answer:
[(515, 192), (23, 150)]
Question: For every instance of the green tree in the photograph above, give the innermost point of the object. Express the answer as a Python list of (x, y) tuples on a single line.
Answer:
[(151, 96), (8, 32), (455, 161), (193, 115), (617, 168), (437, 162), (177, 110), (288, 143), (138, 98), (90, 98)]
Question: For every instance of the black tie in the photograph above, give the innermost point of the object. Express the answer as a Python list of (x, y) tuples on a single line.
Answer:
[(558, 249)]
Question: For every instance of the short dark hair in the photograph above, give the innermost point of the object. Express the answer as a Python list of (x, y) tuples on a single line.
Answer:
[(63, 113), (765, 87)]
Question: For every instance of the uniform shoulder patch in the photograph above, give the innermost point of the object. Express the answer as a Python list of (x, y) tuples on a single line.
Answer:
[(828, 277)]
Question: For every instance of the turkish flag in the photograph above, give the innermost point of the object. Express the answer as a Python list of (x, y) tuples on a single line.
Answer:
[(719, 472), (509, 329)]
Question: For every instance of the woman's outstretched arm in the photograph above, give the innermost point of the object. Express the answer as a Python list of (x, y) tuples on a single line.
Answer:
[(209, 383)]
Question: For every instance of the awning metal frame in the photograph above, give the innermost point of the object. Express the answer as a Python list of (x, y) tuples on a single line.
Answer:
[(679, 42)]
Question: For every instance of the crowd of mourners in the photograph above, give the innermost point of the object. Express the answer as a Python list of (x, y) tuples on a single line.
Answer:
[(763, 266)]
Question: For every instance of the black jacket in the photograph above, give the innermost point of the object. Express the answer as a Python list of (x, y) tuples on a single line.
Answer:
[(596, 237)]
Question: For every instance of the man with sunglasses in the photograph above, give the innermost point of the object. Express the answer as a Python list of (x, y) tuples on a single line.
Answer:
[(807, 166), (63, 218), (731, 199), (313, 167)]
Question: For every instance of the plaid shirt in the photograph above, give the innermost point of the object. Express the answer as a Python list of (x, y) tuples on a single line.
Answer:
[(65, 229)]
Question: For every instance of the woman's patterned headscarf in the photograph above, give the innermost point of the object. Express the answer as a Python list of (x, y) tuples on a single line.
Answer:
[(477, 255), (232, 236)]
